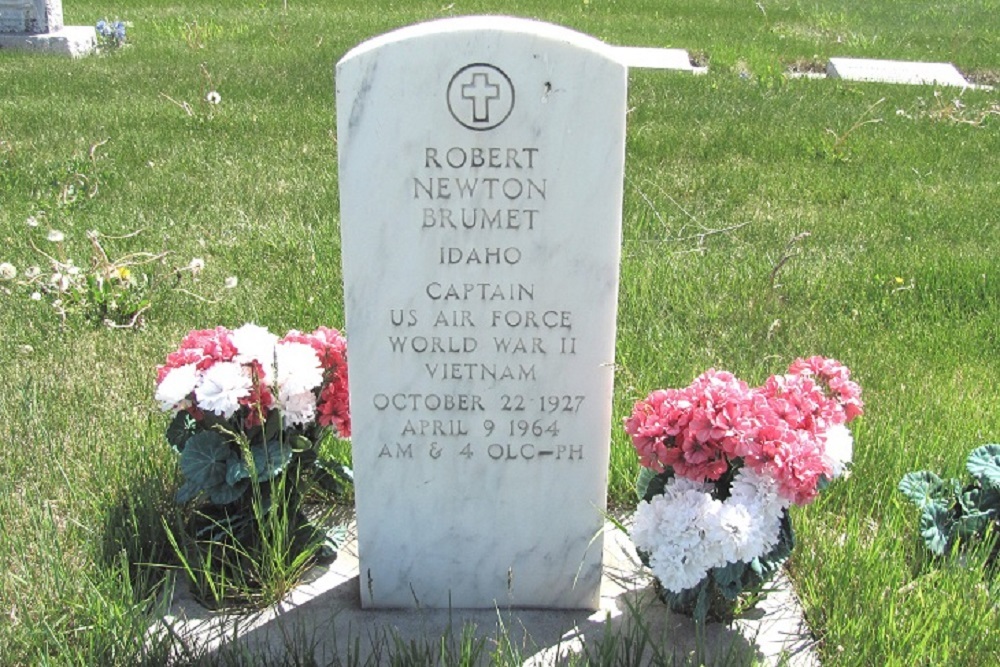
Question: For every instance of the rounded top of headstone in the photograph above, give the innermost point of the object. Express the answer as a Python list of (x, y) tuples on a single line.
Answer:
[(481, 24)]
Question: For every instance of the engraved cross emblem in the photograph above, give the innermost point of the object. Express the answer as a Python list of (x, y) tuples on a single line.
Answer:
[(480, 96), (480, 91)]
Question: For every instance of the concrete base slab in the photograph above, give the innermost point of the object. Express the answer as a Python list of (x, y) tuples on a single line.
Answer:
[(74, 41), (896, 71), (654, 58), (324, 615)]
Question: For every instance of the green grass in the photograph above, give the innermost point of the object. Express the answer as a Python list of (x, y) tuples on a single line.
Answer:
[(898, 276)]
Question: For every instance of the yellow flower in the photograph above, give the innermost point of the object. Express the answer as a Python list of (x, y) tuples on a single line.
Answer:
[(123, 273), (899, 281)]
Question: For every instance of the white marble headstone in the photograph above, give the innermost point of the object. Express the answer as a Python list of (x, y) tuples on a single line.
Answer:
[(480, 168)]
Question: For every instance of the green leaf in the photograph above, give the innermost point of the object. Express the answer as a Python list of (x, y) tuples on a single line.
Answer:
[(984, 465), (223, 494), (273, 426), (702, 604), (642, 482), (332, 476), (925, 488), (181, 427), (729, 579), (271, 459), (204, 461), (301, 443), (236, 471), (936, 525), (658, 482), (187, 492), (975, 499), (972, 525), (333, 539)]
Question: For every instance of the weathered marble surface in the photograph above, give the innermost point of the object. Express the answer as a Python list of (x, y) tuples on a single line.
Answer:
[(480, 166)]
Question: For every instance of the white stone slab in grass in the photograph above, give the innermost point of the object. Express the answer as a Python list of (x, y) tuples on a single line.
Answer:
[(37, 25), (480, 167), (895, 71), (642, 57)]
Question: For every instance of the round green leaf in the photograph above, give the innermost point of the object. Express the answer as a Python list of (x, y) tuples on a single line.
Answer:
[(205, 460), (972, 525), (642, 483), (236, 471), (984, 465), (729, 579), (223, 493), (270, 459), (925, 488), (936, 524)]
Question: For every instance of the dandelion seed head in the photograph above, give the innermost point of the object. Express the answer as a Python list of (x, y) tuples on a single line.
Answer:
[(213, 97), (231, 282), (7, 271), (55, 236)]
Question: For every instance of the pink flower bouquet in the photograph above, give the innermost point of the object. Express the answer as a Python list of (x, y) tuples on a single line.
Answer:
[(721, 464), (250, 413), (248, 404)]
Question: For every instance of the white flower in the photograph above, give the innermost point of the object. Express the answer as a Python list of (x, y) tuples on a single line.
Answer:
[(32, 272), (221, 388), (7, 271), (213, 97), (298, 409), (686, 532), (672, 528), (298, 368), (839, 448), (55, 236), (32, 221), (255, 343), (173, 391), (36, 296), (231, 282), (196, 265), (59, 281)]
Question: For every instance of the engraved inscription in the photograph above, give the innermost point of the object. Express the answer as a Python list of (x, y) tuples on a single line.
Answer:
[(508, 335)]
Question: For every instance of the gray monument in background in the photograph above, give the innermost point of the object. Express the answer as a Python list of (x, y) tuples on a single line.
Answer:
[(37, 25)]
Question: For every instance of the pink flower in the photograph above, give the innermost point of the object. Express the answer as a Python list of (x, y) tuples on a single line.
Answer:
[(836, 376), (692, 430), (334, 407), (201, 347), (779, 430)]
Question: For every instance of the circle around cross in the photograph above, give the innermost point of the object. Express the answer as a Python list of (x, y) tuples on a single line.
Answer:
[(480, 96)]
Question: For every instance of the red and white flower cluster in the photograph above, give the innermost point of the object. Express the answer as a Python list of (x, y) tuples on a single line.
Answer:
[(788, 429), (304, 375), (779, 440)]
